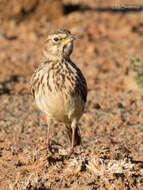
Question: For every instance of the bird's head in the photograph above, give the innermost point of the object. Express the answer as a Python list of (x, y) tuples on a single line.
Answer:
[(59, 44)]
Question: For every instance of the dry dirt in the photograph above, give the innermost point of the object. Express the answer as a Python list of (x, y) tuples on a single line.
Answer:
[(111, 156)]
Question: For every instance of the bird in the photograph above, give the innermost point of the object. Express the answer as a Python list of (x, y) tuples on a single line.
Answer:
[(59, 87)]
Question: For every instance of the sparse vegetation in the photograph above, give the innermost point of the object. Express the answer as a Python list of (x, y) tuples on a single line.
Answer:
[(137, 65)]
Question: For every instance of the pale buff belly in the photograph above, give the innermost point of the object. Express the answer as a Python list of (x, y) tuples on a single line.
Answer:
[(59, 107)]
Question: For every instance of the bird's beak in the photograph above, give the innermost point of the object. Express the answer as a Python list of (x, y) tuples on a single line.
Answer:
[(69, 39)]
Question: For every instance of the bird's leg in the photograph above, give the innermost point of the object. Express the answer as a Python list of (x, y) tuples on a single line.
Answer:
[(73, 126), (48, 135), (73, 138)]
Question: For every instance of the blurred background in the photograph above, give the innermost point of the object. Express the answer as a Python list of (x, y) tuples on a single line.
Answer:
[(110, 55)]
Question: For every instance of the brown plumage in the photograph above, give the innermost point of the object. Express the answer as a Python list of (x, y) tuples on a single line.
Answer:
[(58, 86)]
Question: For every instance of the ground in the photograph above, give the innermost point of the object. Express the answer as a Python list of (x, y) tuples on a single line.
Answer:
[(111, 156)]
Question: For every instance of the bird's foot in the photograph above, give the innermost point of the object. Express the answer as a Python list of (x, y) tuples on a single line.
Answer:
[(49, 148), (70, 153), (53, 147)]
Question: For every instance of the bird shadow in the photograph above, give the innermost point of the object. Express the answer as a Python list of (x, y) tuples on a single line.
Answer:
[(53, 160)]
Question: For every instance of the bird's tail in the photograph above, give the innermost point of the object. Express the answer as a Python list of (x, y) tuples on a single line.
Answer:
[(77, 140)]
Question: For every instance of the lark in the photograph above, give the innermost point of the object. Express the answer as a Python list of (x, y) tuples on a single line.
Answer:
[(59, 87)]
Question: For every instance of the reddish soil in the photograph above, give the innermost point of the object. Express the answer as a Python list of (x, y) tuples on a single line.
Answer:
[(111, 156)]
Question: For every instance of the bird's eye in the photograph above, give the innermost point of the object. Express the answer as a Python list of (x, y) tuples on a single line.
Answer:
[(56, 39)]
